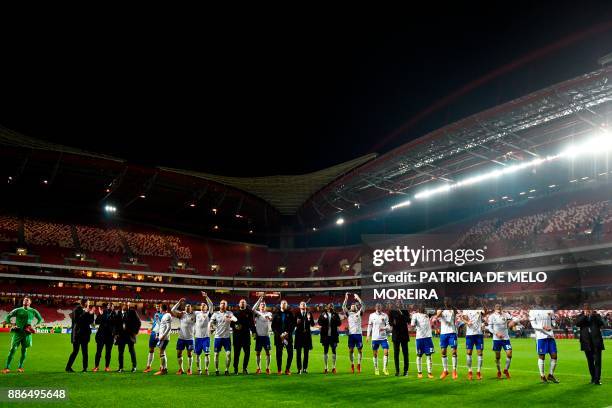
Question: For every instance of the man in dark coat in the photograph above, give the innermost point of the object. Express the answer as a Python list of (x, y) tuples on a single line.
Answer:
[(303, 338), (591, 341), (127, 325), (104, 335), (242, 329), (399, 318), (283, 324), (82, 319), (329, 321)]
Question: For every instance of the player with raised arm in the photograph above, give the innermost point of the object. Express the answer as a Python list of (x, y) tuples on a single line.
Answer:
[(153, 337), (498, 324), (163, 338), (448, 336), (220, 323), (542, 322), (474, 338), (424, 343), (355, 340), (202, 335), (21, 332), (186, 334), (263, 320), (378, 325)]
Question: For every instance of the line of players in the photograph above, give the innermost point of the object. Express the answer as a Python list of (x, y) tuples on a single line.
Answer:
[(197, 327)]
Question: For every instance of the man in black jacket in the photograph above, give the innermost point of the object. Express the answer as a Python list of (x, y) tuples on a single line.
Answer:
[(127, 325), (82, 319), (242, 329), (283, 324), (399, 319), (104, 335), (303, 338), (591, 341), (329, 321)]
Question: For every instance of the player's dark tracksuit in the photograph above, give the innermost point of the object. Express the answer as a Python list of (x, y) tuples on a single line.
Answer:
[(399, 320), (80, 335), (242, 329)]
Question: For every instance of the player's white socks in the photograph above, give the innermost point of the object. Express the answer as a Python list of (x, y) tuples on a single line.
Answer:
[(199, 362), (258, 358), (429, 364), (334, 360), (217, 361), (228, 358), (267, 361), (150, 359), (190, 362), (419, 364), (359, 357), (163, 361), (541, 366), (498, 364), (325, 360), (180, 363), (508, 361), (468, 362), (385, 361), (480, 358), (206, 361), (454, 363), (445, 363), (553, 365), (352, 357), (375, 359)]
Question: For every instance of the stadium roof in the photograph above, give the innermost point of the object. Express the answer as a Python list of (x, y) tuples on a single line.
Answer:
[(14, 139), (528, 127), (286, 193)]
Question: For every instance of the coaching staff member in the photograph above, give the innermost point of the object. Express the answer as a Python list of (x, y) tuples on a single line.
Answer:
[(591, 341), (127, 325), (242, 329), (283, 324), (104, 335), (303, 337), (82, 319), (329, 321), (398, 320)]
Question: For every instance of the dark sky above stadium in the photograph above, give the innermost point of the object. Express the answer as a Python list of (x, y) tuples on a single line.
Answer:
[(270, 96)]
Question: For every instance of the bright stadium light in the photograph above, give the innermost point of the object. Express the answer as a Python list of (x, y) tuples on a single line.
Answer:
[(110, 209), (599, 144), (340, 221), (400, 205)]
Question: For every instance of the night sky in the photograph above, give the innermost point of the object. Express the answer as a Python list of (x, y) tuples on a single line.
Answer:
[(263, 97)]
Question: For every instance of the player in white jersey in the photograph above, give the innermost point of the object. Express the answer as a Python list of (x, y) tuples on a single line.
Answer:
[(355, 339), (220, 323), (378, 325), (263, 320), (424, 343), (448, 336), (473, 338), (202, 336), (542, 322), (163, 338), (498, 324), (186, 331)]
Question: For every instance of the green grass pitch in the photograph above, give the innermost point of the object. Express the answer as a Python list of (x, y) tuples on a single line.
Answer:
[(47, 358)]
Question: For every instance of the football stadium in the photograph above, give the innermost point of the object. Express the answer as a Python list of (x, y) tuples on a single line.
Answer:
[(368, 281)]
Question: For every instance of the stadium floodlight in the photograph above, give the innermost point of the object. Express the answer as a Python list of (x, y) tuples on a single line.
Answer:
[(405, 203), (340, 221), (522, 193), (314, 228), (552, 186), (110, 209)]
